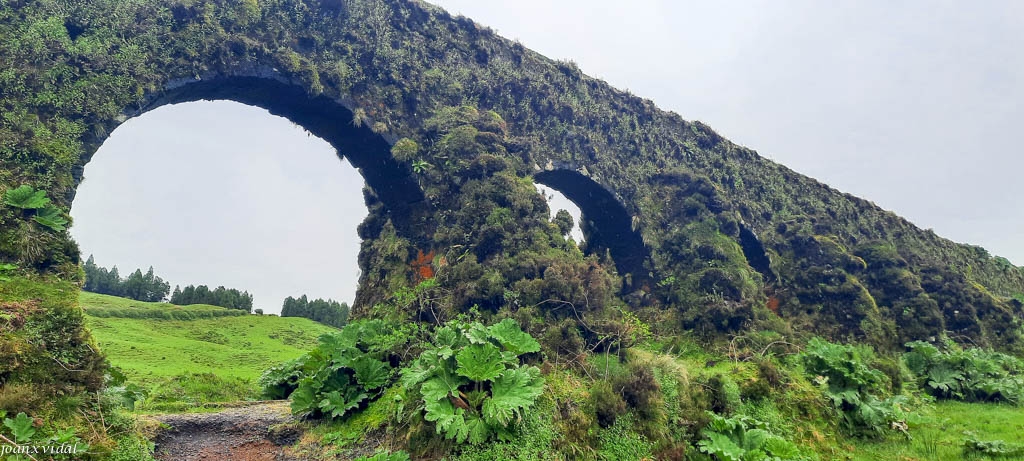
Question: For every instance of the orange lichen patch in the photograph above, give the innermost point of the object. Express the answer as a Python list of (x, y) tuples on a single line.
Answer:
[(423, 265), (773, 305)]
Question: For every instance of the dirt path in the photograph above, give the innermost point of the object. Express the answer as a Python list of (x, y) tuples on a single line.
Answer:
[(248, 433)]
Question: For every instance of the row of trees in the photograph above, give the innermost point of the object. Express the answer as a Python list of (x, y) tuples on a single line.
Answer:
[(230, 298), (327, 312), (138, 286)]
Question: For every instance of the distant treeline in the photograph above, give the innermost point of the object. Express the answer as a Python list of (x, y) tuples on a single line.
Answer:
[(138, 286), (220, 296), (327, 312)]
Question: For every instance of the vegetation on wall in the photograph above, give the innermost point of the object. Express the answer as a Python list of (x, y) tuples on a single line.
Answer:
[(744, 255), (464, 110)]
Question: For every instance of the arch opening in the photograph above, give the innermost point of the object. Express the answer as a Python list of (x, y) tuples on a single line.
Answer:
[(325, 118), (558, 202), (255, 203), (755, 253), (606, 224)]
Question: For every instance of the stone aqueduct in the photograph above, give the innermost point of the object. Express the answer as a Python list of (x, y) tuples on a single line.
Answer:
[(363, 74)]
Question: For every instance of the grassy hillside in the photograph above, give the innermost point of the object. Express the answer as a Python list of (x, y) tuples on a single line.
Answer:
[(168, 349)]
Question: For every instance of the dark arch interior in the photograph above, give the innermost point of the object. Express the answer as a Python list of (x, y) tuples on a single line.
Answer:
[(757, 257), (325, 118), (612, 225)]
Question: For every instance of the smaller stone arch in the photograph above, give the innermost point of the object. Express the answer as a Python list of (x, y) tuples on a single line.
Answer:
[(607, 223)]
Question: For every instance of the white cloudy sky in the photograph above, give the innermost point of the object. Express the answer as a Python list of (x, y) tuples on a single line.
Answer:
[(914, 105)]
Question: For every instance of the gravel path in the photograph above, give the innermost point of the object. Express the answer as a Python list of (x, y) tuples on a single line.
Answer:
[(248, 433)]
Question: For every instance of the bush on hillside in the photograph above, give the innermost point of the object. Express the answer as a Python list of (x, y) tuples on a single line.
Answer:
[(972, 375), (346, 370), (857, 389)]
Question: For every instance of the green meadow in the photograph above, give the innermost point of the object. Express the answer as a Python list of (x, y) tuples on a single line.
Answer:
[(194, 354)]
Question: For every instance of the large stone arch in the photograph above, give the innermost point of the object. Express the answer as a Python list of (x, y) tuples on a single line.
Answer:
[(390, 181)]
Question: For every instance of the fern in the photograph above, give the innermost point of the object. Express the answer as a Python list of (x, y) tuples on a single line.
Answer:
[(472, 384), (26, 198)]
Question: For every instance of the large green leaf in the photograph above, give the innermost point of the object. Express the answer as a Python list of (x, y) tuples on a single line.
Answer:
[(721, 446), (52, 218), (418, 372), (480, 362), (781, 448), (340, 343), (303, 398), (447, 419), (513, 338), (370, 373), (944, 379), (4, 270), (478, 334), (448, 336), (477, 430), (21, 427), (26, 198), (337, 403), (441, 386), (512, 392)]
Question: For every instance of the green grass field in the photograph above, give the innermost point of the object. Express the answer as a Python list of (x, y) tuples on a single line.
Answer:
[(940, 432), (163, 347)]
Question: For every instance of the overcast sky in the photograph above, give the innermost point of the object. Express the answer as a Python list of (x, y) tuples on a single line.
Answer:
[(914, 105)]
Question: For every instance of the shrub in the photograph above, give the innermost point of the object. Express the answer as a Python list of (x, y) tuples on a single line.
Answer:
[(608, 405), (741, 439), (854, 387), (990, 448), (641, 391), (347, 369), (471, 381), (725, 394), (973, 375), (279, 381)]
